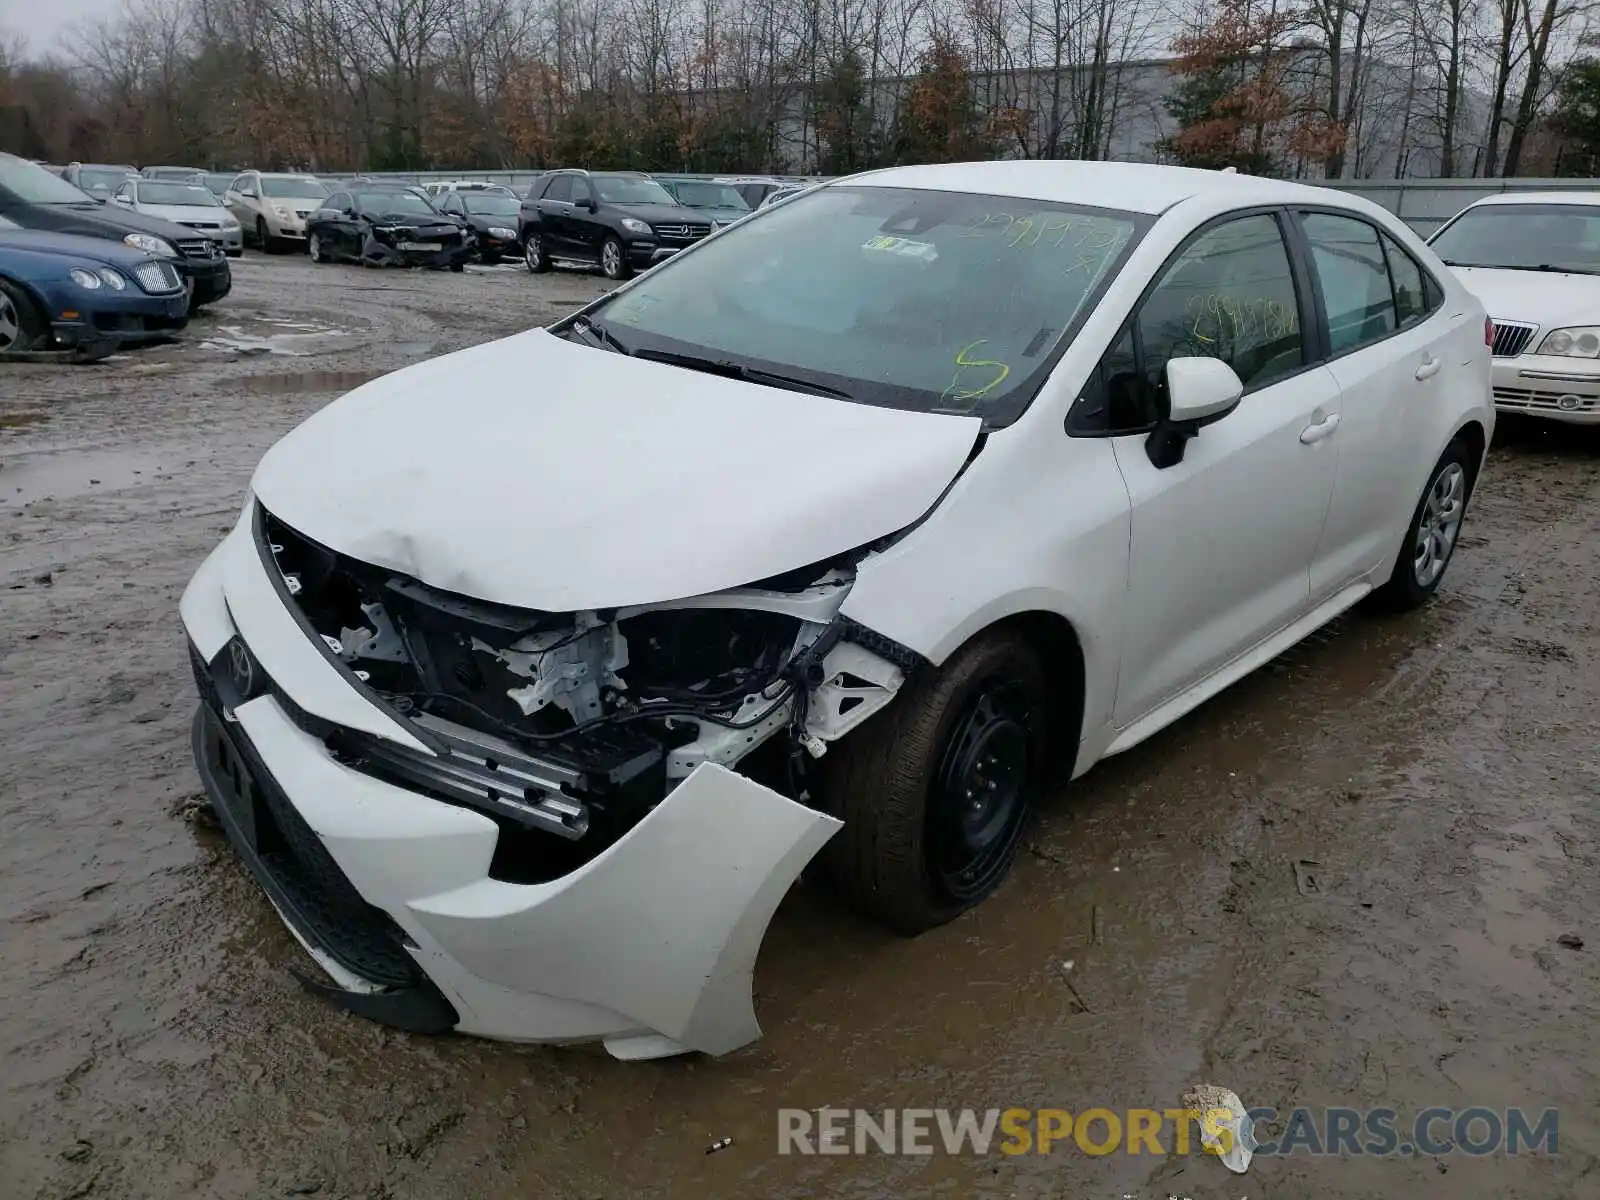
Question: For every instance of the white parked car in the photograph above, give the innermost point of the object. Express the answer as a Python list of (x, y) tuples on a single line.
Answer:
[(438, 190), (191, 204), (533, 675), (1533, 258), (272, 208)]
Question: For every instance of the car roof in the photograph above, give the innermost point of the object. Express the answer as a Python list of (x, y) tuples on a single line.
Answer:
[(1580, 198), (1132, 187)]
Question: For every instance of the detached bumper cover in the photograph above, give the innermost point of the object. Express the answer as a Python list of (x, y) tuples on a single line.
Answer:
[(649, 947)]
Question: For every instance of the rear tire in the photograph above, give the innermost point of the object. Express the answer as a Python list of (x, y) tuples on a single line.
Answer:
[(1431, 537), (935, 791), (22, 327)]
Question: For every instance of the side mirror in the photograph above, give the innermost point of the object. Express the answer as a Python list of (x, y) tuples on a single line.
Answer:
[(584, 202), (1200, 391), (123, 199)]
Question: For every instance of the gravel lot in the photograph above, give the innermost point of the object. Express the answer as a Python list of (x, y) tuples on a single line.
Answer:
[(1441, 768)]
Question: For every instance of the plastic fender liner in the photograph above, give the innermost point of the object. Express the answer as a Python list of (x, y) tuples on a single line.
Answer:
[(663, 927)]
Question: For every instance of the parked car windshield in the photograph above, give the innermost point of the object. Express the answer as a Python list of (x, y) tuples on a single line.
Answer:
[(1523, 237), (293, 189), (943, 301), (709, 195), (32, 184), (176, 193), (620, 189), (101, 179), (491, 204), (401, 202)]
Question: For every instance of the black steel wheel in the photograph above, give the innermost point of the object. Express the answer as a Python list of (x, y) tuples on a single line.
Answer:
[(936, 790)]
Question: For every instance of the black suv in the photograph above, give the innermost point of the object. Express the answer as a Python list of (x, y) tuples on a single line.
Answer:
[(619, 221), (36, 199)]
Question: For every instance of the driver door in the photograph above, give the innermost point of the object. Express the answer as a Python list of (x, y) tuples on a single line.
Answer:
[(1223, 540)]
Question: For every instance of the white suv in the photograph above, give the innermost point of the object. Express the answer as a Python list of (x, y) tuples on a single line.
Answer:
[(532, 676), (1533, 259)]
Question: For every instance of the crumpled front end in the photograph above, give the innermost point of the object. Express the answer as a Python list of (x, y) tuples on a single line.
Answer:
[(388, 244), (534, 826)]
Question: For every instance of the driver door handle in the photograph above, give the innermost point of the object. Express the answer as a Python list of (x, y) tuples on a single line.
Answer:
[(1318, 430), (1429, 368)]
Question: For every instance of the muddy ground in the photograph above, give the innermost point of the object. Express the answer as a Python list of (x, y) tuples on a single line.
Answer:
[(1440, 768)]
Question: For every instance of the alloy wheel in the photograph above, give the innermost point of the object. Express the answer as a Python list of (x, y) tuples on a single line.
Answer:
[(533, 251), (314, 248), (611, 260), (1439, 525), (10, 323)]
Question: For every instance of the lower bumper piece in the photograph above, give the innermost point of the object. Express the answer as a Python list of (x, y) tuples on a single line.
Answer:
[(649, 947)]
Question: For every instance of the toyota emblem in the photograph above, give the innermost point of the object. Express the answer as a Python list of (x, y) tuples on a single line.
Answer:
[(241, 668)]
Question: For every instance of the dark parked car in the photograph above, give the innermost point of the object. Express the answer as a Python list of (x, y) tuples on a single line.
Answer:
[(387, 225), (35, 199), (492, 216), (619, 221), (722, 202), (59, 291), (98, 179)]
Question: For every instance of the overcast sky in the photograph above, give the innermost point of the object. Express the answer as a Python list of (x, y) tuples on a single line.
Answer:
[(42, 22)]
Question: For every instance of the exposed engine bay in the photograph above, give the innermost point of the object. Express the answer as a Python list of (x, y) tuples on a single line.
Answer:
[(568, 728)]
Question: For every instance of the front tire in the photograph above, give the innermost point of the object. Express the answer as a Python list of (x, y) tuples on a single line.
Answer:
[(935, 791), (533, 254), (22, 328), (263, 238), (614, 259), (1431, 537), (315, 250)]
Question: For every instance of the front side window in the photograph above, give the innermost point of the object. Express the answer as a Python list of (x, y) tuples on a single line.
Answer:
[(1230, 295), (1353, 277), (1524, 237), (560, 188), (940, 301), (339, 202)]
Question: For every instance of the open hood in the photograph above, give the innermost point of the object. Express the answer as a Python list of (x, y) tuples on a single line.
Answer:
[(544, 474), (1548, 299)]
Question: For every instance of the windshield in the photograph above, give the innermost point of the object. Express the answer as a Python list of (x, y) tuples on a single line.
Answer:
[(32, 184), (491, 204), (621, 189), (190, 174), (293, 189), (1523, 237), (101, 179), (219, 182), (941, 301), (710, 195), (401, 203), (176, 193)]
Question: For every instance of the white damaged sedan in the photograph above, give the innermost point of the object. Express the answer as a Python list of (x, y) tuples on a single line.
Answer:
[(533, 676)]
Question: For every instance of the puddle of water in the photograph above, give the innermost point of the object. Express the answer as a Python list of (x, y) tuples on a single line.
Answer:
[(22, 420), (303, 382), (58, 476)]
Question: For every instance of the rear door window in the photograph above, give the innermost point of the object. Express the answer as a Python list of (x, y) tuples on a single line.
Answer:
[(1353, 276), (1413, 299)]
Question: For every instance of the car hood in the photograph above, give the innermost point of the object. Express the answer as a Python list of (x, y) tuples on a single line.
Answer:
[(1547, 299), (183, 213), (662, 214), (544, 474), (95, 249), (109, 221)]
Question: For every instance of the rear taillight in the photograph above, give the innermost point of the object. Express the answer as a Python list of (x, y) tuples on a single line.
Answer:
[(1488, 331)]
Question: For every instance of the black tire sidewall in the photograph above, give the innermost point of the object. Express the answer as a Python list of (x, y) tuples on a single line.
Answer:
[(1402, 591), (31, 326), (889, 806)]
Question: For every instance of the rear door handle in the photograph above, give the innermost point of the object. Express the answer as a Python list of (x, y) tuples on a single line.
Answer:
[(1318, 430), (1429, 368)]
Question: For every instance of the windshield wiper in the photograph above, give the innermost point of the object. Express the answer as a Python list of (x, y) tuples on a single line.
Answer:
[(732, 370), (1552, 268), (602, 337)]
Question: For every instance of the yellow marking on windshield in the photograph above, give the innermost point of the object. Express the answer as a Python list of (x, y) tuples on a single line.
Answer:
[(963, 362)]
